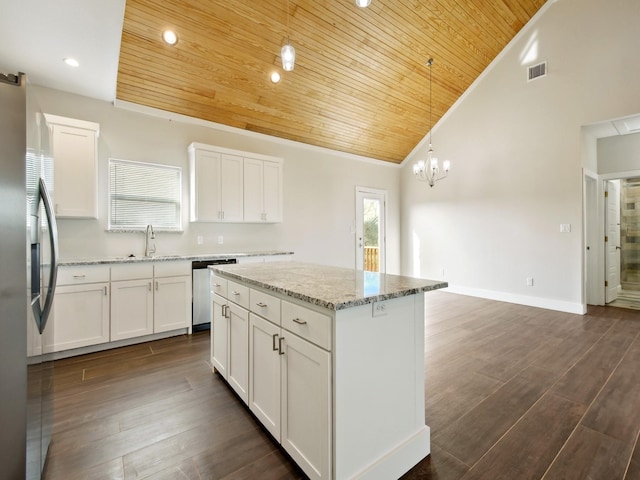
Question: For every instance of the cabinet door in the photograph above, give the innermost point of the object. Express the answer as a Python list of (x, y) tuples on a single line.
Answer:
[(80, 317), (262, 191), (306, 406), (131, 309), (220, 336), (272, 192), (264, 373), (231, 188), (205, 181), (75, 172), (239, 351), (253, 194), (172, 303)]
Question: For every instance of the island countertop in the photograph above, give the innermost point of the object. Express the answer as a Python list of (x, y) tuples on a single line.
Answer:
[(333, 288)]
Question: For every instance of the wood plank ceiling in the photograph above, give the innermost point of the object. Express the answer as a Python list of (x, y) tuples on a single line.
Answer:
[(360, 83)]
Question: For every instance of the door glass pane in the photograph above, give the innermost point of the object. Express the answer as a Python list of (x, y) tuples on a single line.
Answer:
[(371, 212)]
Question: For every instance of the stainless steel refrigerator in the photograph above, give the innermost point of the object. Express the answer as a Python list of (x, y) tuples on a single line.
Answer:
[(28, 269)]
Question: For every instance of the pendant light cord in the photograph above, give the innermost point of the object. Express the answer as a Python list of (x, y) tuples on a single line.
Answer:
[(429, 63)]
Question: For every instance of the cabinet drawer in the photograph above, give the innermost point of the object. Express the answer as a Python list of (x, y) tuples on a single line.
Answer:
[(171, 269), (82, 274), (219, 285), (132, 271), (237, 293), (308, 324), (265, 305)]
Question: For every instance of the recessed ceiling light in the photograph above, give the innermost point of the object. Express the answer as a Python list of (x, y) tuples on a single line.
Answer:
[(72, 62), (363, 3), (275, 77), (170, 37)]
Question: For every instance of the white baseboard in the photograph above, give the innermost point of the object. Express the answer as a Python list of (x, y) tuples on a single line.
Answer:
[(548, 303)]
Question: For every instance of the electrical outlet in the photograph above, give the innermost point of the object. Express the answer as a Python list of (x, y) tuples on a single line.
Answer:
[(565, 228), (529, 281), (200, 240), (220, 239), (379, 309)]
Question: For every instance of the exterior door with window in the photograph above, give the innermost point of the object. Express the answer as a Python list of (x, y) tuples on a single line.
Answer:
[(370, 229)]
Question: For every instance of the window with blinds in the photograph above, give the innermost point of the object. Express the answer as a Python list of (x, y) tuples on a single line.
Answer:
[(142, 194), (38, 165)]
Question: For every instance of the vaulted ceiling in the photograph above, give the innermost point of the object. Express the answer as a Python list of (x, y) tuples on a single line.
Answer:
[(360, 82)]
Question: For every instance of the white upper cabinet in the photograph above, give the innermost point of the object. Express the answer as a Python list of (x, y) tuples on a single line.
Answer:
[(262, 190), (74, 147), (216, 182), (233, 186)]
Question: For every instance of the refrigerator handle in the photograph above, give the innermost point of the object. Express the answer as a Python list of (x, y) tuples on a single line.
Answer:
[(53, 240)]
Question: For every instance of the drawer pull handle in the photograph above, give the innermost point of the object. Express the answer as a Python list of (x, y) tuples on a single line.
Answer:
[(235, 293), (79, 276), (216, 285), (280, 349), (105, 290), (299, 321), (275, 337), (150, 286), (156, 286), (260, 304)]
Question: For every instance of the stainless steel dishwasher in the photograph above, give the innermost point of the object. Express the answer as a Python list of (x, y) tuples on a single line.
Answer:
[(201, 312)]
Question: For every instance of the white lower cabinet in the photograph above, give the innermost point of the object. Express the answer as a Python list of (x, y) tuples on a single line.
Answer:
[(172, 296), (149, 298), (306, 405), (239, 351), (290, 392), (80, 314), (131, 308), (264, 373), (230, 344), (220, 336)]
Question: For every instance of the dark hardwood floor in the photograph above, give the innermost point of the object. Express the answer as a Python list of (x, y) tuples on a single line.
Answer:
[(512, 393)]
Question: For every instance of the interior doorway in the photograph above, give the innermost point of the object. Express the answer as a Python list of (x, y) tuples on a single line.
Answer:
[(628, 242), (370, 229)]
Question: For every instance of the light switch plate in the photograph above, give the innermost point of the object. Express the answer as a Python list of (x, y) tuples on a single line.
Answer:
[(565, 228)]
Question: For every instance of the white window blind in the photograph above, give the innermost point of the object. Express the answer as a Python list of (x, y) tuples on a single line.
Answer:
[(142, 194), (38, 165)]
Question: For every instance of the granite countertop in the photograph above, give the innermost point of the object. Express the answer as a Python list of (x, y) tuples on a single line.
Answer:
[(168, 258), (329, 287)]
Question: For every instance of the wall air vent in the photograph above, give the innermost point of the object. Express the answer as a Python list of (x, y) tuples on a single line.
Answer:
[(537, 71)]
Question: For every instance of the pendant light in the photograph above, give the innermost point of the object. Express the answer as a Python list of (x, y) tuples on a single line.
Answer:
[(429, 170), (288, 53)]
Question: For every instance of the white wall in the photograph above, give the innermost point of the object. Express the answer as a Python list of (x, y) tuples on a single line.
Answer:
[(619, 154), (319, 189), (516, 152)]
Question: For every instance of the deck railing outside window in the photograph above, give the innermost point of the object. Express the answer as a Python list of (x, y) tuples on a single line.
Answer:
[(371, 259)]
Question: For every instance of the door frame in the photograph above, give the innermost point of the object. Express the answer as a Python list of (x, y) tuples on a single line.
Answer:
[(593, 288), (361, 193)]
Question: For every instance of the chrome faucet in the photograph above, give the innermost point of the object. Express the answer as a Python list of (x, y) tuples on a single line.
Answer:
[(149, 242)]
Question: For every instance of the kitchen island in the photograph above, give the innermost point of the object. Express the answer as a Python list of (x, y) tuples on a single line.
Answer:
[(329, 360)]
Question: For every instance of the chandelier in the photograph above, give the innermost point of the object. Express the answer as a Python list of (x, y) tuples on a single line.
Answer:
[(429, 170)]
